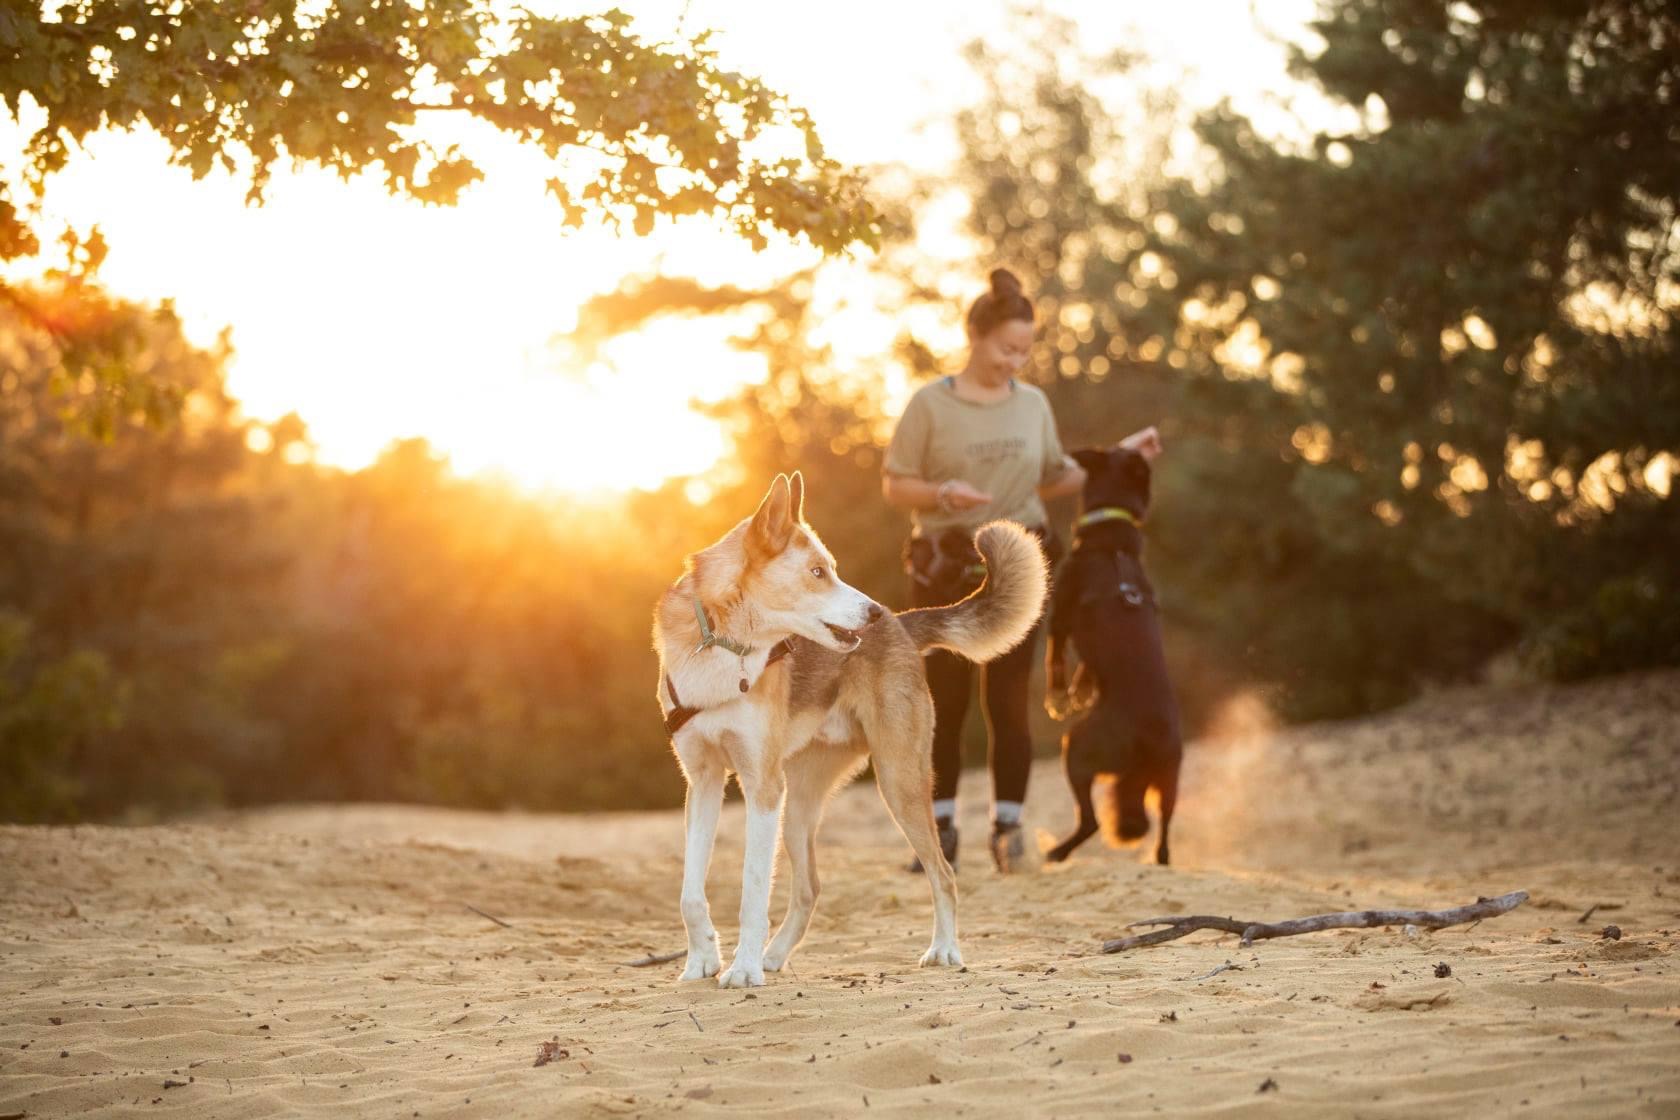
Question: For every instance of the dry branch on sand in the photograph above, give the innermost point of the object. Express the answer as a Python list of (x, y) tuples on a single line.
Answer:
[(1350, 919)]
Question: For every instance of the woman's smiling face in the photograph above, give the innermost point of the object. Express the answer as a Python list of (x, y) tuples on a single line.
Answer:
[(1000, 353)]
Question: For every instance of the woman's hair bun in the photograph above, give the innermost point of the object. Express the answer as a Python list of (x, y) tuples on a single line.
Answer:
[(1003, 303), (1004, 283)]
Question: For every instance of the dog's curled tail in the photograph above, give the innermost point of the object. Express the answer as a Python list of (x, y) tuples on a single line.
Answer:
[(993, 620)]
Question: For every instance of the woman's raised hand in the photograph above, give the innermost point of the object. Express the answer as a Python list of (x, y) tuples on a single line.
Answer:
[(1146, 442)]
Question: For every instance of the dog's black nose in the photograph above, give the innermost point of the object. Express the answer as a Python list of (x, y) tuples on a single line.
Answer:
[(875, 611)]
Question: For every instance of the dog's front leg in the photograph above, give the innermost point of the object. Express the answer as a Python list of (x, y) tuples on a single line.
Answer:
[(706, 778), (1076, 764), (1064, 601), (763, 794)]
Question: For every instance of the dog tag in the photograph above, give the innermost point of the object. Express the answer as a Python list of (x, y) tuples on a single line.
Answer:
[(743, 684)]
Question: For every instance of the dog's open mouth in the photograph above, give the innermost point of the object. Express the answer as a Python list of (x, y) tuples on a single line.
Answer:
[(850, 637)]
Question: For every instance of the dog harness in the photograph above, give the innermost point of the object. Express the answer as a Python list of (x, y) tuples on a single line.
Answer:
[(680, 713), (1134, 592), (929, 561)]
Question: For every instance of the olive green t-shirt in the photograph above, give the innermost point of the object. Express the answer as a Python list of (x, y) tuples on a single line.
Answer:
[(1007, 448)]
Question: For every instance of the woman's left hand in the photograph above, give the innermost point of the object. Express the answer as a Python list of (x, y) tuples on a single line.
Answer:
[(1146, 442)]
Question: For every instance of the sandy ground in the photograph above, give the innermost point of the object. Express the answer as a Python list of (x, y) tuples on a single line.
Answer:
[(327, 960)]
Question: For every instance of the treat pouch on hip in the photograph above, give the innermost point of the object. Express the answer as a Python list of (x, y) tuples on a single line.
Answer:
[(945, 562)]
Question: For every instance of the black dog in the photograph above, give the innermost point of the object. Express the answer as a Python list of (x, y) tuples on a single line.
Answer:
[(1104, 602)]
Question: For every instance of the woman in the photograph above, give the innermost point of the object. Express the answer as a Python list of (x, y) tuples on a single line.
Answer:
[(973, 447)]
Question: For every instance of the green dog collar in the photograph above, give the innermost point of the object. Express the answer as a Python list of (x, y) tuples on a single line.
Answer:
[(1098, 516), (709, 639)]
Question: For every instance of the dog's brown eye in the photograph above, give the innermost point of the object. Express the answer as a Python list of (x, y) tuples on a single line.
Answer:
[(818, 572)]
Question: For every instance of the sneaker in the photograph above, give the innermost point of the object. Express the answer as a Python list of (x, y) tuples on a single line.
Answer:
[(1008, 847), (947, 844)]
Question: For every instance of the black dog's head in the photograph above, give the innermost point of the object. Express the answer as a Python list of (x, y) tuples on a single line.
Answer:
[(1115, 478)]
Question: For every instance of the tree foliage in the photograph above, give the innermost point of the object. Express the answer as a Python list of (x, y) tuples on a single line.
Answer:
[(47, 710), (1468, 300), (659, 128), (1417, 378)]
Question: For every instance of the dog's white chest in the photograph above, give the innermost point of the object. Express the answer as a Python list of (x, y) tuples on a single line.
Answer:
[(737, 717), (714, 679)]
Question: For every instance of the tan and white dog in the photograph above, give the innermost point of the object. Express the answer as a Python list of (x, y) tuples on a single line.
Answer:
[(775, 670)]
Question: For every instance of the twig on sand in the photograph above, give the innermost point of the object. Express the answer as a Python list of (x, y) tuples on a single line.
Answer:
[(656, 958), (1594, 908), (1352, 919), (1226, 967), (697, 1025), (492, 917)]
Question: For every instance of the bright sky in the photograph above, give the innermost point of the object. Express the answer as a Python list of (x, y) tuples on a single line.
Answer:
[(377, 319)]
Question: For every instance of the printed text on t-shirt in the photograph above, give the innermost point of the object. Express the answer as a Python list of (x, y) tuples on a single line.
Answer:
[(991, 450)]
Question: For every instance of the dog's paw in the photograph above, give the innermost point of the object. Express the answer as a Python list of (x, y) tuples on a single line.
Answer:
[(1057, 705), (740, 975), (775, 959), (1083, 687), (700, 966), (942, 956), (1134, 825)]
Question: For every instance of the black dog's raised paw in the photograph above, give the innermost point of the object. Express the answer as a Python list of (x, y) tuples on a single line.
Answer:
[(1134, 826)]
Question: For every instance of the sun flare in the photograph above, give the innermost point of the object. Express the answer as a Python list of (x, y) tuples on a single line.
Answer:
[(378, 320), (625, 422)]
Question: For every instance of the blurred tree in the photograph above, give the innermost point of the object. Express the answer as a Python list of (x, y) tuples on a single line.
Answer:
[(462, 643), (1080, 195), (134, 561), (1464, 301), (96, 361), (46, 712), (185, 620)]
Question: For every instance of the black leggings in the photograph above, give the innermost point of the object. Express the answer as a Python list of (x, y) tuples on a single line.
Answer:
[(1004, 684)]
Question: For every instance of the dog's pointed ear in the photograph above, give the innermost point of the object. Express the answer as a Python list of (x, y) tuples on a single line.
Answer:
[(1091, 459), (772, 525), (796, 497)]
